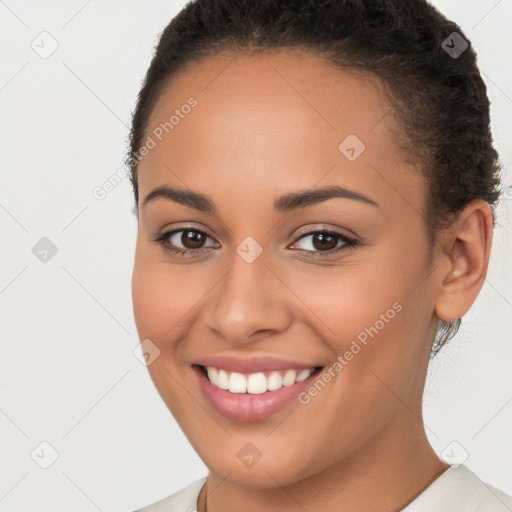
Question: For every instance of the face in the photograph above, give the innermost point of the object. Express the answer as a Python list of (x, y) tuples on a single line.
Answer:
[(337, 279)]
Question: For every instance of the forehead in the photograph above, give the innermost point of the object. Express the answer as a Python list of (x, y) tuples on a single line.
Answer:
[(273, 120), (275, 88)]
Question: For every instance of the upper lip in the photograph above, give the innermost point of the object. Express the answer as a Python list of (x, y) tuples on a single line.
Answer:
[(255, 364)]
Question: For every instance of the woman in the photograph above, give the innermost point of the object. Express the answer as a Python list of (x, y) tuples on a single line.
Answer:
[(315, 184)]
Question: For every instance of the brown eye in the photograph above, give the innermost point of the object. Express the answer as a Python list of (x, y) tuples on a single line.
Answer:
[(321, 241), (324, 243), (184, 241), (192, 239)]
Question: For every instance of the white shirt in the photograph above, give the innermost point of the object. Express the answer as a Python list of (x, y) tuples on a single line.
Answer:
[(458, 489)]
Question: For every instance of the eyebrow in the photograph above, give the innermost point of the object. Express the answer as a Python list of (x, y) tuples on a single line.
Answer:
[(285, 203)]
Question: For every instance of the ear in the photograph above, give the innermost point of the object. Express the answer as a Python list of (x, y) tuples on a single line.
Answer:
[(463, 260)]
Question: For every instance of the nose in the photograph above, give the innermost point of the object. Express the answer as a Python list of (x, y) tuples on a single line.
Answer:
[(249, 303)]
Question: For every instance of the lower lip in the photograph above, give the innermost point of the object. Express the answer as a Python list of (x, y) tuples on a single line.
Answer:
[(246, 406)]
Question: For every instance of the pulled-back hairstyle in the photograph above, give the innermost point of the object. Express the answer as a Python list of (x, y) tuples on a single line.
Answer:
[(438, 97)]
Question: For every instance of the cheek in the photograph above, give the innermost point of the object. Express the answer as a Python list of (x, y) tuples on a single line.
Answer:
[(368, 324), (376, 294), (162, 304), (164, 296), (374, 314), (348, 298)]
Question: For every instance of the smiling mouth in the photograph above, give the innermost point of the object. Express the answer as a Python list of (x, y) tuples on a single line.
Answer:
[(258, 382)]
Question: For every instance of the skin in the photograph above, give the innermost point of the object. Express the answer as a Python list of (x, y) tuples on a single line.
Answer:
[(266, 126)]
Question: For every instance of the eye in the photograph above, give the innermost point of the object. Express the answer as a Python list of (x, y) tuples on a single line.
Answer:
[(184, 241), (192, 242), (325, 243)]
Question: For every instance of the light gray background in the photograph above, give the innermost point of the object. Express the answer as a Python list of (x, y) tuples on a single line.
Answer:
[(68, 375)]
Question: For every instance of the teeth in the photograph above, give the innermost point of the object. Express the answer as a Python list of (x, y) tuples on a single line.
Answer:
[(289, 378), (212, 373), (255, 383), (274, 381), (304, 374), (223, 380), (237, 383)]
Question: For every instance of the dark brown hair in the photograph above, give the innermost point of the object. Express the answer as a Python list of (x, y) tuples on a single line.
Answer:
[(431, 74)]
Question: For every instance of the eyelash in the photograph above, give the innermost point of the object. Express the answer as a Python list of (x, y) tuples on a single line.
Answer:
[(163, 240)]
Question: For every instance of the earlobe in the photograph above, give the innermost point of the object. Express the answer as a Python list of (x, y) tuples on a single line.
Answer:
[(464, 261)]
